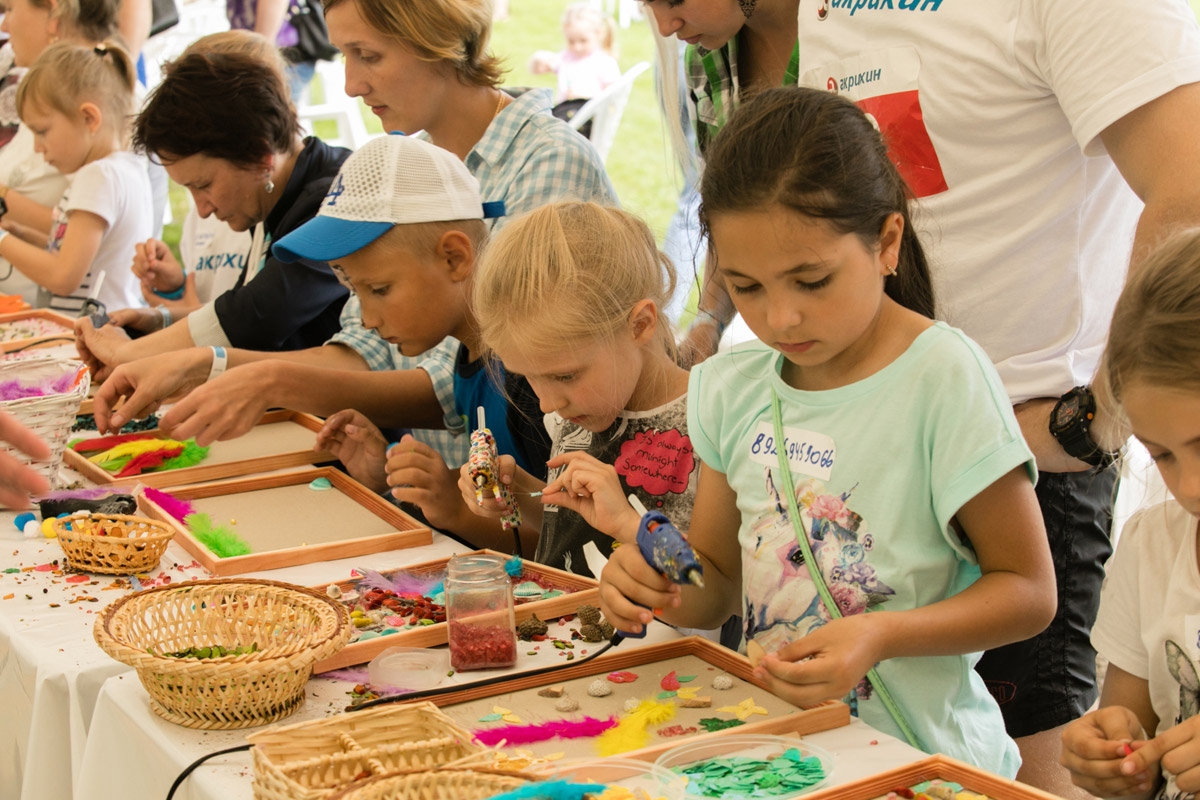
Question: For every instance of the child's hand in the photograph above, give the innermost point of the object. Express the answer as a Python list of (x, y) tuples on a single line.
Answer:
[(420, 476), (827, 663), (1176, 749), (1105, 752), (506, 468), (592, 489), (155, 266), (358, 444), (628, 582)]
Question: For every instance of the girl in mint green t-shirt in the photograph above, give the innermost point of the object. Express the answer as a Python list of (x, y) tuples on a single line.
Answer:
[(884, 439)]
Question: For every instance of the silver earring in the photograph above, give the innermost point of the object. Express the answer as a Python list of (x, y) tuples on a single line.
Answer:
[(892, 268), (270, 187)]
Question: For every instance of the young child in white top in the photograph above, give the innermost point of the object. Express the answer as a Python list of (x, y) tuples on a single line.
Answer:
[(859, 441), (588, 66), (77, 101), (1144, 739)]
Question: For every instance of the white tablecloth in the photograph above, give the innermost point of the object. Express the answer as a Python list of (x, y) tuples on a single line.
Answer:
[(51, 670), (132, 752)]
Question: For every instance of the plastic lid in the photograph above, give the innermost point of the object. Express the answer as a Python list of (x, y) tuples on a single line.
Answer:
[(411, 668)]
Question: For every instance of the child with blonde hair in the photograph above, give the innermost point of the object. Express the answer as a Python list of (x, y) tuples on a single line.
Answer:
[(1144, 739), (866, 498), (77, 100), (570, 296), (587, 66)]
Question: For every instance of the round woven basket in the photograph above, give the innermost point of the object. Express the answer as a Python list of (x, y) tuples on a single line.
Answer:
[(437, 784), (114, 544), (49, 416), (291, 627)]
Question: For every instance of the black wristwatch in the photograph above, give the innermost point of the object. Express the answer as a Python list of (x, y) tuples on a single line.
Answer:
[(3, 206), (1071, 423)]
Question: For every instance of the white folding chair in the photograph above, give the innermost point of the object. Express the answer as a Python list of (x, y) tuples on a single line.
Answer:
[(606, 108), (335, 106)]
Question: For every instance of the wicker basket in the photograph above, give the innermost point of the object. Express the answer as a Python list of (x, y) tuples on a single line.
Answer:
[(312, 760), (50, 416), (436, 784), (291, 626), (114, 544)]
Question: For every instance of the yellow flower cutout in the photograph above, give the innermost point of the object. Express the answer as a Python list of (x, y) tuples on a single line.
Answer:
[(744, 709)]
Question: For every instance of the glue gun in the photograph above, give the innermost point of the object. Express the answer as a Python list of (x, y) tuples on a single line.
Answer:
[(665, 549)]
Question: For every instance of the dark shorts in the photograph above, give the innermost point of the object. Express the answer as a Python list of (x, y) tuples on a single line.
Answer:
[(1049, 680)]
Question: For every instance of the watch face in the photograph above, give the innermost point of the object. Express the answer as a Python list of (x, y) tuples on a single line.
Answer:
[(1066, 412)]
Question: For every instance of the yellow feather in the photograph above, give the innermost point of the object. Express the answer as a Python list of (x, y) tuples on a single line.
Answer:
[(630, 732), (133, 449)]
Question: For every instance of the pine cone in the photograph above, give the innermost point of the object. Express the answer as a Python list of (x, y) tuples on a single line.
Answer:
[(532, 627), (588, 615), (606, 629), (591, 632)]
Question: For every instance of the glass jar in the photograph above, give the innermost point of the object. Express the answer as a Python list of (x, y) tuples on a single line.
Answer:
[(479, 610)]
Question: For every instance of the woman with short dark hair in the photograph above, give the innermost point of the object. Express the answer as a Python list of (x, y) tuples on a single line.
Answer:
[(223, 126)]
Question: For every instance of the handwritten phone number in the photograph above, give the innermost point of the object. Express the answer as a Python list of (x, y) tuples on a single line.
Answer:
[(798, 452)]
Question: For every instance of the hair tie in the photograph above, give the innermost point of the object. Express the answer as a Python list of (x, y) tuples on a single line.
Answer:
[(100, 50)]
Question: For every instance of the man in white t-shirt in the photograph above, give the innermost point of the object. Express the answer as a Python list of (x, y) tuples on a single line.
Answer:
[(1031, 133)]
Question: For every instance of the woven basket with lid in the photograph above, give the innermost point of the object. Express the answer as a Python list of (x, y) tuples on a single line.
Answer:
[(291, 626)]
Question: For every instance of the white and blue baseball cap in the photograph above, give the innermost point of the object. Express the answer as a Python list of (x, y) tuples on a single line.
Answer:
[(391, 180)]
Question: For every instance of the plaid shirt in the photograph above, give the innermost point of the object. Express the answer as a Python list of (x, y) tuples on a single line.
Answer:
[(713, 86), (526, 158)]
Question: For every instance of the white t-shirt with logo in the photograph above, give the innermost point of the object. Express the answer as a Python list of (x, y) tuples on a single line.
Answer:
[(993, 112), (213, 252), (1149, 620)]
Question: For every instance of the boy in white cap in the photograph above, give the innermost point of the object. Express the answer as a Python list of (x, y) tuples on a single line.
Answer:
[(402, 225)]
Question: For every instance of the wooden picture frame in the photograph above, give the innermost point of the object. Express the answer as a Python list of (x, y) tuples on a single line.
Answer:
[(406, 531), (241, 463), (827, 715), (586, 592), (33, 341), (943, 767)]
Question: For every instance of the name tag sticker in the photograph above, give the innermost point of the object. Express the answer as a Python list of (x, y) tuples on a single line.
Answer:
[(807, 452)]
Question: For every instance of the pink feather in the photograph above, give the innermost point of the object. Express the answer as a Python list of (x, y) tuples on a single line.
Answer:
[(585, 728), (169, 503), (400, 581), (361, 676), (84, 494)]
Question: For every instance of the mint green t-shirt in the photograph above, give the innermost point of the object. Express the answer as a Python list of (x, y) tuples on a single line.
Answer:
[(880, 468)]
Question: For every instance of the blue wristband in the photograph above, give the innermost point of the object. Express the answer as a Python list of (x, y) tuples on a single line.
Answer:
[(175, 295)]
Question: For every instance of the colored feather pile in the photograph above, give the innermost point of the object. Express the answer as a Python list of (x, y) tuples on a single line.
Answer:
[(16, 390), (134, 453), (630, 732), (585, 728), (402, 582), (220, 540), (179, 509), (553, 790)]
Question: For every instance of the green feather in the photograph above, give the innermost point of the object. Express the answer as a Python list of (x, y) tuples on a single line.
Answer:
[(222, 541), (192, 455)]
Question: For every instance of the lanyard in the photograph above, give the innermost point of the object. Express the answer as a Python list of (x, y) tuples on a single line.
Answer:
[(814, 571)]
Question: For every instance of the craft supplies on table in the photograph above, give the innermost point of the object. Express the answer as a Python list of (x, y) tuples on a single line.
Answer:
[(743, 766), (285, 521), (651, 780), (112, 544), (976, 784), (436, 784), (538, 590), (43, 394), (313, 760), (279, 440), (21, 330), (479, 613), (169, 635)]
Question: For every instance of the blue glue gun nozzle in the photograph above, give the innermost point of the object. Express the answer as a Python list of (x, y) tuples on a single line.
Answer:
[(664, 548)]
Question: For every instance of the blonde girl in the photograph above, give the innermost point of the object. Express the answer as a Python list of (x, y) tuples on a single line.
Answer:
[(77, 99), (570, 297), (1144, 740), (859, 457), (588, 65)]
